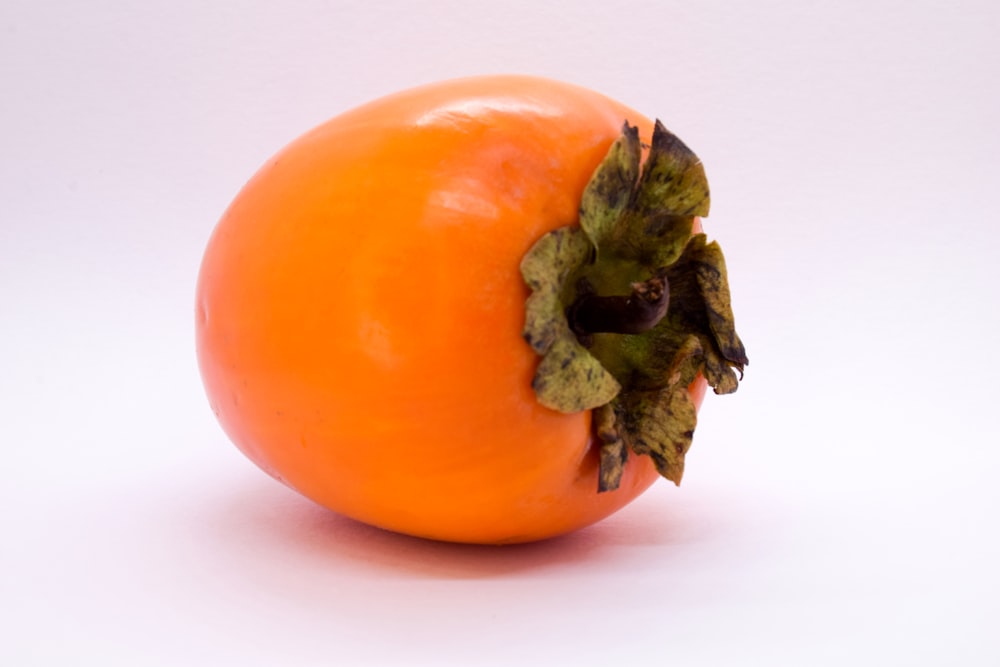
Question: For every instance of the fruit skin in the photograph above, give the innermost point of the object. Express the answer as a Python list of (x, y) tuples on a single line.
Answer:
[(359, 312)]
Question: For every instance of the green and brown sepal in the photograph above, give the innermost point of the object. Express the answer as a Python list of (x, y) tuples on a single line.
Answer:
[(628, 307)]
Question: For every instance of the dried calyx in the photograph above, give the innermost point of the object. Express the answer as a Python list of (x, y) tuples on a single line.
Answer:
[(628, 307)]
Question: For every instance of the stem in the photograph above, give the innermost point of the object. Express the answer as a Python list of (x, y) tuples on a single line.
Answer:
[(636, 313)]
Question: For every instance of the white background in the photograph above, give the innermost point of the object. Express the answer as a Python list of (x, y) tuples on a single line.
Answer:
[(841, 508)]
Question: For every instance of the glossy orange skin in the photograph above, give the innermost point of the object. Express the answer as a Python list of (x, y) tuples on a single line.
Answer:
[(359, 312)]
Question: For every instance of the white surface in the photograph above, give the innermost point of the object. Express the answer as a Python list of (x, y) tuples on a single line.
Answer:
[(840, 509)]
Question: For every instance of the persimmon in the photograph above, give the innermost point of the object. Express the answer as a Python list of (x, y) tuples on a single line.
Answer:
[(476, 311)]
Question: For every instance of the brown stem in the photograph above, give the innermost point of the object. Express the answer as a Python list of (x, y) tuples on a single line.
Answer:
[(639, 311)]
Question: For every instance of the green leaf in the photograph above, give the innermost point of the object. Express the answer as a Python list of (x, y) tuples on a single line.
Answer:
[(570, 379), (546, 268), (665, 236), (662, 426), (610, 188), (671, 190), (700, 281), (710, 272), (553, 257), (719, 373), (686, 363), (673, 178), (613, 452)]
